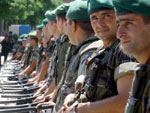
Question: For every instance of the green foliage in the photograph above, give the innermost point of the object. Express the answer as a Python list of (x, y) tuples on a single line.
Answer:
[(26, 11)]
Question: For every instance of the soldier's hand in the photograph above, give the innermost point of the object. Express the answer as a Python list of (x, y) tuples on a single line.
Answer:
[(33, 74), (20, 75), (61, 110), (37, 93), (69, 98), (83, 107), (46, 103), (48, 97), (31, 80), (40, 98), (35, 83)]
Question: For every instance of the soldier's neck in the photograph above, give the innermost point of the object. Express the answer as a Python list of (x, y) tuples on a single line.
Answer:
[(80, 37), (143, 57), (108, 43)]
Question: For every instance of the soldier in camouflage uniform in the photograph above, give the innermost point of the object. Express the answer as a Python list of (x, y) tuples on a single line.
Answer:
[(34, 55), (20, 50), (133, 21), (24, 43), (109, 72), (27, 54), (41, 63), (52, 24)]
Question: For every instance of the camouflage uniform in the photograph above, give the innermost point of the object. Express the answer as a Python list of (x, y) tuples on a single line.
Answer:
[(50, 47), (112, 64), (34, 55), (20, 50), (40, 51), (43, 53), (72, 71), (139, 101), (27, 55), (60, 57)]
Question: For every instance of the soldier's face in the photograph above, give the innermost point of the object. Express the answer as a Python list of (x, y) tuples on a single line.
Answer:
[(39, 34), (70, 31), (104, 24), (24, 43), (59, 24), (46, 32), (44, 42), (51, 28), (133, 33)]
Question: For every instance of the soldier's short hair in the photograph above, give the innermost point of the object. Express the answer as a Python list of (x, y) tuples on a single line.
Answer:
[(63, 16)]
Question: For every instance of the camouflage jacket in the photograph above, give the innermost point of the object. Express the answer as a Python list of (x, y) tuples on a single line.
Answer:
[(111, 64), (72, 71), (60, 57), (34, 54), (27, 55)]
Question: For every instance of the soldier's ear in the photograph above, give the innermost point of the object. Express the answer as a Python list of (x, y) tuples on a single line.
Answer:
[(74, 26)]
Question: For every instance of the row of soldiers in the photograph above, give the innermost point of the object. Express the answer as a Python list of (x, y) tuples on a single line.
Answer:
[(87, 56)]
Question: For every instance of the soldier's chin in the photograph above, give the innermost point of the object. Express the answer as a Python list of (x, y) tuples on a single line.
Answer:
[(125, 50)]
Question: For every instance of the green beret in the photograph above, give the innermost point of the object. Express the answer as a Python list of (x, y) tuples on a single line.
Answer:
[(132, 6), (26, 35), (33, 34), (97, 5), (24, 39), (50, 15), (22, 36), (39, 27), (45, 21), (15, 36), (62, 9), (19, 41), (78, 11)]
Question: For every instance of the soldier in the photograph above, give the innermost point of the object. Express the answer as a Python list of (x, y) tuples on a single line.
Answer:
[(34, 55), (35, 73), (14, 39), (51, 18), (27, 53), (64, 41), (52, 26), (109, 71), (133, 21), (24, 43), (20, 50), (5, 48)]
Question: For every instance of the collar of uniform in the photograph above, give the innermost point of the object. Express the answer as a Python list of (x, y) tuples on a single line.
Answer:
[(90, 39), (116, 42)]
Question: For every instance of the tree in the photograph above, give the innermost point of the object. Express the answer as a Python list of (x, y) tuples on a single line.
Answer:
[(26, 11)]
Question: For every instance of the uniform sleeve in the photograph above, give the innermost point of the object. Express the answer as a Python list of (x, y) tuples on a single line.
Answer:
[(124, 68), (35, 55), (21, 49), (121, 63)]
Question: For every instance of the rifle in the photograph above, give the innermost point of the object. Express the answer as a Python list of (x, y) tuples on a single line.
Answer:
[(25, 109)]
